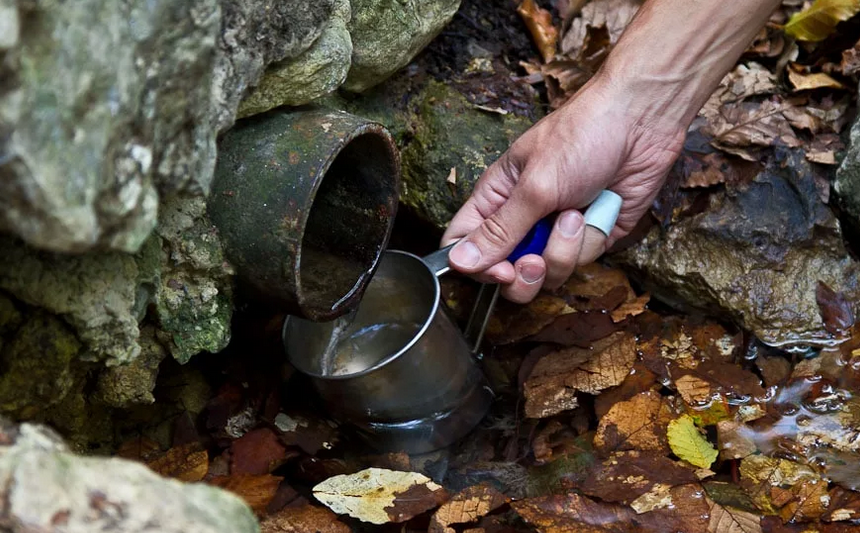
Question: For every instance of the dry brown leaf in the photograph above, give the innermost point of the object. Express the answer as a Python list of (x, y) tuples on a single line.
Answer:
[(466, 507), (614, 15), (558, 376), (555, 440), (631, 308), (693, 390), (827, 116), (744, 81), (257, 491), (539, 23), (303, 519), (744, 124), (139, 449), (380, 496), (837, 312), (759, 474), (189, 462), (637, 424), (513, 322), (851, 60), (257, 452), (729, 520), (844, 505), (586, 289), (687, 511), (823, 149), (817, 80), (640, 379), (625, 476)]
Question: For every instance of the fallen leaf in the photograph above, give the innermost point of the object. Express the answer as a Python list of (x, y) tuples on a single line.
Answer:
[(817, 80), (303, 519), (759, 474), (555, 440), (728, 520), (310, 433), (822, 150), (257, 491), (851, 60), (729, 495), (579, 329), (614, 15), (587, 289), (688, 443), (809, 502), (573, 513), (817, 21), (735, 440), (625, 476), (640, 379), (189, 463), (513, 322), (558, 376), (139, 449), (836, 312), (693, 390), (844, 506), (452, 176), (380, 496), (744, 124), (826, 116), (743, 81), (539, 23), (466, 507), (637, 424), (257, 452), (631, 308)]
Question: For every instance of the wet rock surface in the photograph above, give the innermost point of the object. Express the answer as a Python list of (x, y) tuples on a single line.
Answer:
[(48, 488), (755, 254), (847, 182)]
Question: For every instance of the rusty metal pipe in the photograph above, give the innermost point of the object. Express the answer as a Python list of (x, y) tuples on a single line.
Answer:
[(305, 202)]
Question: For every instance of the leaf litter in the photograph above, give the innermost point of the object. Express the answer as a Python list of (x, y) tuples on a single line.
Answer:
[(621, 415)]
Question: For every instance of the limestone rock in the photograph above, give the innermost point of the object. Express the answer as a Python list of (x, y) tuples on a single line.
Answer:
[(387, 34), (103, 104), (847, 183), (449, 133), (49, 489), (96, 294), (133, 383), (755, 255), (194, 294), (317, 72)]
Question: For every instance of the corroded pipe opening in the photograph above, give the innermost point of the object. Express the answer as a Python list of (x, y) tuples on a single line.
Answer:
[(305, 202)]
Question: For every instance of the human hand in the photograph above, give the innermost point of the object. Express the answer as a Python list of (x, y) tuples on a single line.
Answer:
[(598, 140)]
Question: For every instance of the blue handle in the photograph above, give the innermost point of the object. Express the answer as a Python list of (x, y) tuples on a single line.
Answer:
[(535, 240)]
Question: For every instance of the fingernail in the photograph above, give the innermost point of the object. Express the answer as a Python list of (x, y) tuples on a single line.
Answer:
[(531, 273), (570, 224), (465, 254)]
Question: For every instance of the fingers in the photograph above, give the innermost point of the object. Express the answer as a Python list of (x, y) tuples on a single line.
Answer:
[(530, 275), (593, 245), (492, 241), (563, 248)]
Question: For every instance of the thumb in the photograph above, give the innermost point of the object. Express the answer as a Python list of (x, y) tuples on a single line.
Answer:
[(499, 234)]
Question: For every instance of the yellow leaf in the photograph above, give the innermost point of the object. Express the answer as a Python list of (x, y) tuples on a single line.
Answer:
[(817, 22), (817, 80), (689, 444)]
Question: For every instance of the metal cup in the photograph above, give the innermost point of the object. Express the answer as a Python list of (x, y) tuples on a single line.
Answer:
[(398, 369)]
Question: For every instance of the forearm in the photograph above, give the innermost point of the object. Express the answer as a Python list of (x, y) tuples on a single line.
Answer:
[(675, 52)]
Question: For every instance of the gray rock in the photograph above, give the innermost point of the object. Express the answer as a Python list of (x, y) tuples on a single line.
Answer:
[(103, 104), (847, 182), (755, 255), (194, 295), (255, 34), (315, 73), (47, 488), (387, 34)]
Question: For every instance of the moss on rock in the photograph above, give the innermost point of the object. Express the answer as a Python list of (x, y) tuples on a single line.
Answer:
[(451, 138)]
